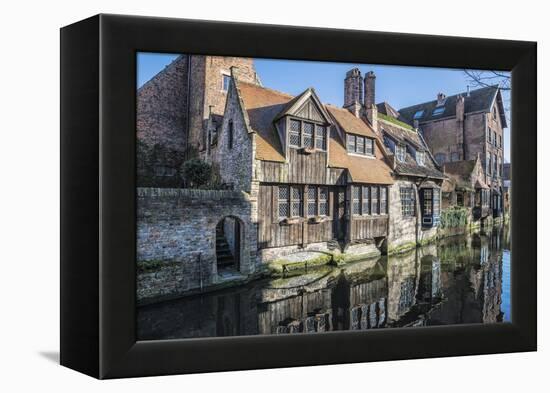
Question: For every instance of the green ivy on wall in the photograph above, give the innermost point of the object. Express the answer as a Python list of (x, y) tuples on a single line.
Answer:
[(454, 217)]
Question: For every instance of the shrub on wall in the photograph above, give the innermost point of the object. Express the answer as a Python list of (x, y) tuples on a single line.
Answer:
[(196, 172), (454, 217)]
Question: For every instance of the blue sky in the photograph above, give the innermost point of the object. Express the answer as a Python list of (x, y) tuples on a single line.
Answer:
[(400, 86)]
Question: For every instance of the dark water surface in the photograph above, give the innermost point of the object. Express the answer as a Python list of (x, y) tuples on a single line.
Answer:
[(463, 279)]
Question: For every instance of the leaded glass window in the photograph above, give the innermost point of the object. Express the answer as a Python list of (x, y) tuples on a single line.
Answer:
[(312, 201), (356, 200), (297, 201), (308, 135), (323, 201), (320, 137), (374, 200), (366, 200), (283, 202), (295, 133)]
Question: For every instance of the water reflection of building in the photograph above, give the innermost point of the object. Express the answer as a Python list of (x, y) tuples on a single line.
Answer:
[(402, 284), (457, 281)]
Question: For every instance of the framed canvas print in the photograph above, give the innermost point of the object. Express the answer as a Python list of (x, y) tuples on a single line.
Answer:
[(239, 196)]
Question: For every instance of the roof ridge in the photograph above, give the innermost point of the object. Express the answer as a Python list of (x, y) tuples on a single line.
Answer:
[(266, 88), (453, 95)]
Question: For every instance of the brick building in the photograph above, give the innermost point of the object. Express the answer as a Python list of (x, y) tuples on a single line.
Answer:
[(179, 110), (461, 128)]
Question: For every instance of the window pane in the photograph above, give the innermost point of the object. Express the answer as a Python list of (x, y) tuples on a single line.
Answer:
[(351, 143), (366, 200), (383, 200), (360, 145), (283, 202), (374, 200), (308, 135), (356, 208), (323, 208), (312, 201), (297, 201), (226, 79), (369, 146), (295, 133), (320, 137)]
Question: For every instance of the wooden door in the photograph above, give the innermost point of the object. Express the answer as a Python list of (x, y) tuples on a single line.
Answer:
[(339, 213)]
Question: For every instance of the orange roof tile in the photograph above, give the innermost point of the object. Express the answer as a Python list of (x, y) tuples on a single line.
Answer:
[(349, 122), (262, 106), (362, 169)]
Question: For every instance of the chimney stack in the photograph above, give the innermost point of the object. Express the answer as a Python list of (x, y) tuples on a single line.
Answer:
[(370, 100), (353, 91), (370, 80)]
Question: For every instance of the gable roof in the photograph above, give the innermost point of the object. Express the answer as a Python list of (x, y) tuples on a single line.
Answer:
[(479, 100), (295, 105), (388, 110), (414, 140), (350, 123), (462, 174), (361, 169), (262, 106)]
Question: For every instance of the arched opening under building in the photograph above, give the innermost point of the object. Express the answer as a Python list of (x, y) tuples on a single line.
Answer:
[(229, 233)]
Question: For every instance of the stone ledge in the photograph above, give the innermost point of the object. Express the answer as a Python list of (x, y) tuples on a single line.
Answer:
[(189, 193)]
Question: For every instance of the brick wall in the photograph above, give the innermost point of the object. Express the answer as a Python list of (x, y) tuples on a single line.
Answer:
[(161, 120), (176, 237)]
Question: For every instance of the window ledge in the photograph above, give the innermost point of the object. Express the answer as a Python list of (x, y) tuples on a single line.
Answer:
[(318, 219), (291, 221)]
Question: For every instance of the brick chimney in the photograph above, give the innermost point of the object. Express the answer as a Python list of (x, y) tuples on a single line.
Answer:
[(370, 100), (353, 91), (370, 80)]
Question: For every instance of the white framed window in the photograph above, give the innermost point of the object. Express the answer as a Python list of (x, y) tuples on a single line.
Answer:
[(407, 201), (226, 78), (360, 145), (420, 157), (400, 152)]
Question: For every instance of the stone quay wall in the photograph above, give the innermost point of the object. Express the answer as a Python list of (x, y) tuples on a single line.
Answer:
[(176, 238)]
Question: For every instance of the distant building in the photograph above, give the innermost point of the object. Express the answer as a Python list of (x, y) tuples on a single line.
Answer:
[(461, 128)]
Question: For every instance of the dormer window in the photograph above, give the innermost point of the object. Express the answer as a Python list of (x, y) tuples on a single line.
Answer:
[(420, 157), (400, 152), (418, 114), (305, 134), (358, 144), (438, 111)]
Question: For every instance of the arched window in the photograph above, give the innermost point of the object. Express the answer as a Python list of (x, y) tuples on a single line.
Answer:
[(230, 134)]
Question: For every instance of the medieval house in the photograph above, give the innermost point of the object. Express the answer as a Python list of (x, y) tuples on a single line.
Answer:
[(465, 187), (300, 181), (463, 126), (416, 193)]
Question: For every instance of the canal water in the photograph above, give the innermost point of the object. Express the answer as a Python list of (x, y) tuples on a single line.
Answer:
[(461, 279)]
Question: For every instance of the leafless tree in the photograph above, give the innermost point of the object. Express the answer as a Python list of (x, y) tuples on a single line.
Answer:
[(489, 78)]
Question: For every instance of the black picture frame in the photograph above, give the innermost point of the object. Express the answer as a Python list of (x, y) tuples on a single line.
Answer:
[(98, 193)]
